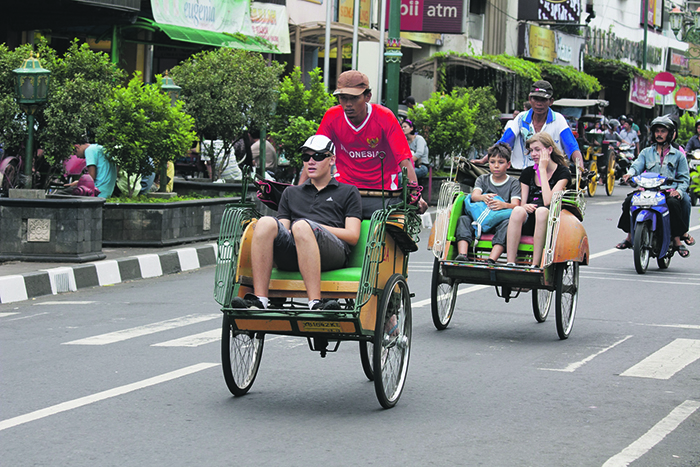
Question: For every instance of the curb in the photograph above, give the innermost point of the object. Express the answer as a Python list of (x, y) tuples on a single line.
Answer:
[(53, 281)]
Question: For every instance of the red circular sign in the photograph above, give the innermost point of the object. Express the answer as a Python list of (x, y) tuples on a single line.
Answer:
[(685, 98), (664, 83)]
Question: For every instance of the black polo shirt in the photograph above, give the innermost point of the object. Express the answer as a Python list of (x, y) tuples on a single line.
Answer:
[(330, 206)]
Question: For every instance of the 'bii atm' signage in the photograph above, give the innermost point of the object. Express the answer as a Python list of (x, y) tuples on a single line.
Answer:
[(441, 16)]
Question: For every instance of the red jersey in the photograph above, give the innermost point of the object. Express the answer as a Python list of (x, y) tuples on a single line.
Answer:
[(357, 149)]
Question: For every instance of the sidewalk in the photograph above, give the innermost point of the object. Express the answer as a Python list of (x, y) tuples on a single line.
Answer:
[(25, 280)]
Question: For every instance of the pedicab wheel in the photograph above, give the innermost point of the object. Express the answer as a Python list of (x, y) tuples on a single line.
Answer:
[(641, 245), (541, 301), (392, 341), (443, 296), (241, 352), (567, 297), (593, 182), (610, 174), (366, 357), (664, 262)]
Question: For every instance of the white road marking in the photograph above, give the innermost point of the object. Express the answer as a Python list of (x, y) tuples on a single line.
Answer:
[(654, 436), (3, 315), (576, 365), (605, 203), (636, 279), (603, 253), (67, 302), (139, 331), (677, 326), (473, 288), (195, 340), (667, 361), (100, 396)]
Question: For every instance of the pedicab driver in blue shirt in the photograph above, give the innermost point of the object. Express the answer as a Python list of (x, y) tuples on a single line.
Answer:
[(317, 222), (540, 118)]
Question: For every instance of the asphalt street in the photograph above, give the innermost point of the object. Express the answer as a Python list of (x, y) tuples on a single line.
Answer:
[(130, 374)]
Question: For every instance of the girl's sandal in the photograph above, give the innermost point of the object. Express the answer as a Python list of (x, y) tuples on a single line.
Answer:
[(682, 251)]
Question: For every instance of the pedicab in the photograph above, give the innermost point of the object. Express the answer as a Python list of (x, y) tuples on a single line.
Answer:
[(555, 279), (372, 288)]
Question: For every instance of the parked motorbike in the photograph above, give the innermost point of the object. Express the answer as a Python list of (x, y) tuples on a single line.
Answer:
[(650, 222), (693, 158)]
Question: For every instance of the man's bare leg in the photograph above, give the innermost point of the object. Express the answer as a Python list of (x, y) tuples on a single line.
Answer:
[(309, 258), (261, 250)]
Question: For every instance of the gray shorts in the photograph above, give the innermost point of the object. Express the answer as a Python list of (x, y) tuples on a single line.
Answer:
[(334, 252)]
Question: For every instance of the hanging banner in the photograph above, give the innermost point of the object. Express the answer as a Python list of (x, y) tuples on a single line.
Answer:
[(346, 12), (231, 16), (642, 92), (270, 22)]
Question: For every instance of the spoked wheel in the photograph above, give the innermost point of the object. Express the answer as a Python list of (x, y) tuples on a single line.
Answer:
[(610, 173), (642, 247), (665, 262), (443, 296), (241, 352), (366, 356), (392, 341), (541, 301), (593, 182), (567, 297)]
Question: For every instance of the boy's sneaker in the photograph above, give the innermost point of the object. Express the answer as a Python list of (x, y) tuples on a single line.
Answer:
[(327, 304), (252, 301), (461, 258)]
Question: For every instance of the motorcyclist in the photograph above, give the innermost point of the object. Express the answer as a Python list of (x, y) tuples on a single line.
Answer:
[(661, 157)]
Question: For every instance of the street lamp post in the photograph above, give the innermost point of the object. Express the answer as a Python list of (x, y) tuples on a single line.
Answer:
[(685, 24), (173, 91), (32, 90)]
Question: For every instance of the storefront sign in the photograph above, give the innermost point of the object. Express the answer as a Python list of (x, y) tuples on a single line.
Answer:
[(642, 92), (549, 45), (439, 16), (677, 61), (270, 22), (654, 14), (346, 12), (558, 11), (230, 16), (685, 98)]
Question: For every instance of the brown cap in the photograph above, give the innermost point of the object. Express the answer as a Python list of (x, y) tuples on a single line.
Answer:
[(352, 82)]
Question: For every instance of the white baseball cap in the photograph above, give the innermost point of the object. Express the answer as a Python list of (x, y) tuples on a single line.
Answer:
[(319, 143)]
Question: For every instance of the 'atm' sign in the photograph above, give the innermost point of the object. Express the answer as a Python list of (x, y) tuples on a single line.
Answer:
[(441, 16)]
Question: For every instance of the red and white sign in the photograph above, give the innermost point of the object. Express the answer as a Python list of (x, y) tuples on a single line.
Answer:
[(685, 98), (664, 83), (440, 16)]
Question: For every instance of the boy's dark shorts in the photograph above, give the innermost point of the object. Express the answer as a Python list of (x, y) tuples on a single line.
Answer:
[(334, 252)]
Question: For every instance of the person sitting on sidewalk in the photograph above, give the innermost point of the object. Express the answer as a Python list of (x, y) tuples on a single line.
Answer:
[(486, 188), (317, 223), (102, 169)]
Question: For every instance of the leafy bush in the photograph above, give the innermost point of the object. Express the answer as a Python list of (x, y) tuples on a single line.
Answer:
[(142, 131), (487, 124), (299, 112), (226, 91), (447, 124), (687, 129)]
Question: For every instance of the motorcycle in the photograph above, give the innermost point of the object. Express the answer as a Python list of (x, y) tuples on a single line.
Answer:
[(650, 222), (693, 158), (624, 156)]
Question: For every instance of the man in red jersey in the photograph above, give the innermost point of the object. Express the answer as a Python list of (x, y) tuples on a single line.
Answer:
[(361, 132)]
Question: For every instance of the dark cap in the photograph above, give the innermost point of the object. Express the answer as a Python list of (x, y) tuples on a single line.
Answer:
[(352, 82), (542, 88)]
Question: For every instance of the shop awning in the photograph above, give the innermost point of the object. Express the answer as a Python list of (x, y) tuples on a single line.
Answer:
[(210, 38), (428, 66), (580, 102), (313, 33)]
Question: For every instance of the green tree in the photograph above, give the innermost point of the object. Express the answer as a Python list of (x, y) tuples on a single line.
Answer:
[(299, 112), (142, 131), (446, 121), (687, 128), (227, 91), (487, 123)]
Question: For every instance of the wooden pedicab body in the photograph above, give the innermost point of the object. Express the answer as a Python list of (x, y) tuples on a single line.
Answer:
[(372, 289), (566, 246)]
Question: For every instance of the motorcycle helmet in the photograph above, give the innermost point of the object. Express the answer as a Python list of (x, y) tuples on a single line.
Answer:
[(613, 123), (664, 121)]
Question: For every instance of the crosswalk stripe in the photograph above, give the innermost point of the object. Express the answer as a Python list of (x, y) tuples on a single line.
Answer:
[(667, 361), (473, 288), (100, 396), (195, 340), (124, 334)]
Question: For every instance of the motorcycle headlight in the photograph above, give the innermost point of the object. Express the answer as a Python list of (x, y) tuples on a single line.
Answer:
[(647, 198)]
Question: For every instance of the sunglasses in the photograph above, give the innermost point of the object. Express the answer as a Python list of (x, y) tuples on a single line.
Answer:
[(317, 156)]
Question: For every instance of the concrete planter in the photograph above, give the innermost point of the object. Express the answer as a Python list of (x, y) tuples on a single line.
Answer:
[(61, 230), (204, 187), (162, 224)]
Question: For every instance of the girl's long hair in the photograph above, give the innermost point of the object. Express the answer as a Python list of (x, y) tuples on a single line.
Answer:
[(546, 140)]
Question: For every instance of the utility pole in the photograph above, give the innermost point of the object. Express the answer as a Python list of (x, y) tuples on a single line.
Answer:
[(392, 56)]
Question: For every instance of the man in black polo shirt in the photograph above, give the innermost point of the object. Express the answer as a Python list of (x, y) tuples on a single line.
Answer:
[(316, 224)]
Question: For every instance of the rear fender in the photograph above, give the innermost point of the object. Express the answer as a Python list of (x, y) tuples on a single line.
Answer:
[(572, 240)]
